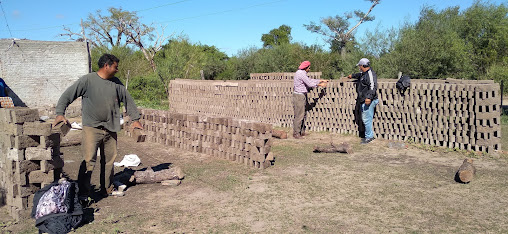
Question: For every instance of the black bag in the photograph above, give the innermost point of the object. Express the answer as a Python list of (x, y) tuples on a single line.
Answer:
[(59, 222), (403, 84)]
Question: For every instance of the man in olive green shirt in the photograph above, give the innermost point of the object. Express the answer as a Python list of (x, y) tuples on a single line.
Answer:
[(101, 94)]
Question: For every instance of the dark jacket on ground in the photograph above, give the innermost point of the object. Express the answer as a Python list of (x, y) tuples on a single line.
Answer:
[(366, 85)]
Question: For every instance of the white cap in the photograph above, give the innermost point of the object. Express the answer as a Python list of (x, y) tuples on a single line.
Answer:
[(363, 61)]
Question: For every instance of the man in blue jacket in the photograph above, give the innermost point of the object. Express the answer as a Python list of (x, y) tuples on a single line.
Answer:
[(366, 87)]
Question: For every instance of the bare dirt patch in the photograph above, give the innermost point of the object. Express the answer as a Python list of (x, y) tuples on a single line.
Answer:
[(375, 189)]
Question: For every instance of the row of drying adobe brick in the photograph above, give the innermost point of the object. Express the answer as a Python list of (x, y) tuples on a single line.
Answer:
[(281, 75), (478, 108), (29, 156), (242, 141)]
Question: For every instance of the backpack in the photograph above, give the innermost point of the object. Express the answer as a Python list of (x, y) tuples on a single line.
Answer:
[(403, 84), (60, 205)]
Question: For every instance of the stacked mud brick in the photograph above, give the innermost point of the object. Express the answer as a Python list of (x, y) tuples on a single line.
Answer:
[(281, 75), (242, 141), (451, 113), (28, 157), (262, 101)]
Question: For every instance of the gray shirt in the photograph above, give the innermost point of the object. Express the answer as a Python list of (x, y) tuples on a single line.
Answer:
[(100, 101)]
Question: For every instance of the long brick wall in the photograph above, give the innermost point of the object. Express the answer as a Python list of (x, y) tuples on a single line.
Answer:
[(29, 158), (242, 141), (451, 113)]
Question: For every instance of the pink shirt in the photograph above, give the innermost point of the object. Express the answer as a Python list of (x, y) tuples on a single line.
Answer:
[(302, 82)]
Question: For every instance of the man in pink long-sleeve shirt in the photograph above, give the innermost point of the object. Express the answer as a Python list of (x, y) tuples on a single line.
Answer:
[(302, 82)]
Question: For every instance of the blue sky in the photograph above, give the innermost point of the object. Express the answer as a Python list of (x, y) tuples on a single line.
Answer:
[(228, 24)]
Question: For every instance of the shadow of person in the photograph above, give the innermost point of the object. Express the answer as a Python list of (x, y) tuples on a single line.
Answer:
[(312, 103)]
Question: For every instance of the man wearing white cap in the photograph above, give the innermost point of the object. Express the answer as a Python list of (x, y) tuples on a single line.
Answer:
[(301, 84), (366, 87)]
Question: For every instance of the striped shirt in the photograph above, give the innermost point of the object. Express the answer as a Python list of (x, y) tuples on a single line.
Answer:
[(303, 82)]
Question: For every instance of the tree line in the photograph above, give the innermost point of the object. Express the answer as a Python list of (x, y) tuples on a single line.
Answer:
[(468, 44)]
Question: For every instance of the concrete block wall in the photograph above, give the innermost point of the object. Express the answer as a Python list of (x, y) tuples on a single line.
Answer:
[(242, 141), (29, 158), (281, 75), (38, 72), (451, 113)]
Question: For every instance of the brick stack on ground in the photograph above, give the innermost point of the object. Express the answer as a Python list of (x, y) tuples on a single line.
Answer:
[(450, 113), (29, 158), (242, 141)]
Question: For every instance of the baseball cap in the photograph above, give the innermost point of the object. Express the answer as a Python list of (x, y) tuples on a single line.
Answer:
[(363, 61)]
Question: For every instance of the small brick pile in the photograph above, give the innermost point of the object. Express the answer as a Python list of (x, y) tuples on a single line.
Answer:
[(29, 158), (450, 113), (242, 141), (281, 75)]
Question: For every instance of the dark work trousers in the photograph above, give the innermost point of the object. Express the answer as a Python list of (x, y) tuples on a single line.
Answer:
[(93, 139), (358, 119), (299, 105)]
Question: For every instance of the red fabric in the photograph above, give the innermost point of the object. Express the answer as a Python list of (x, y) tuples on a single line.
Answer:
[(304, 64), (6, 102)]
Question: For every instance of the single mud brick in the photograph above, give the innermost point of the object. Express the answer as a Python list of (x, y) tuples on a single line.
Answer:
[(5, 115), (138, 135), (40, 177), (21, 115), (22, 142), (38, 153), (52, 140), (48, 165), (28, 190), (7, 141), (16, 154), (11, 129), (270, 157), (62, 128), (28, 166), (193, 118), (37, 128)]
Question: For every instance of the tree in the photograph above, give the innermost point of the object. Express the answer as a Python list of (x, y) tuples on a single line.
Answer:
[(337, 30), (277, 36), (120, 28)]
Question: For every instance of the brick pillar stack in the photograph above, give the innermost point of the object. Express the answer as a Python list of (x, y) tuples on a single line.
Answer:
[(243, 141), (29, 157)]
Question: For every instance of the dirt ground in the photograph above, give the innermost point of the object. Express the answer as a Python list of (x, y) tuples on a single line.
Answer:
[(382, 187)]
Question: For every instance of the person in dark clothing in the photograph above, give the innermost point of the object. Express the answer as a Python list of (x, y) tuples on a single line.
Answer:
[(4, 92), (101, 94), (366, 87)]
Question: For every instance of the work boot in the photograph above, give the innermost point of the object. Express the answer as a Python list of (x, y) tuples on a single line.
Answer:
[(297, 136)]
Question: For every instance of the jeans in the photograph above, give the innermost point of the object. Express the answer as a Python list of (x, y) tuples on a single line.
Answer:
[(368, 116)]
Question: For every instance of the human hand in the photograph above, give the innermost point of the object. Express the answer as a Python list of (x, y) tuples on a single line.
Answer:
[(367, 101), (136, 124), (350, 76), (58, 119)]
